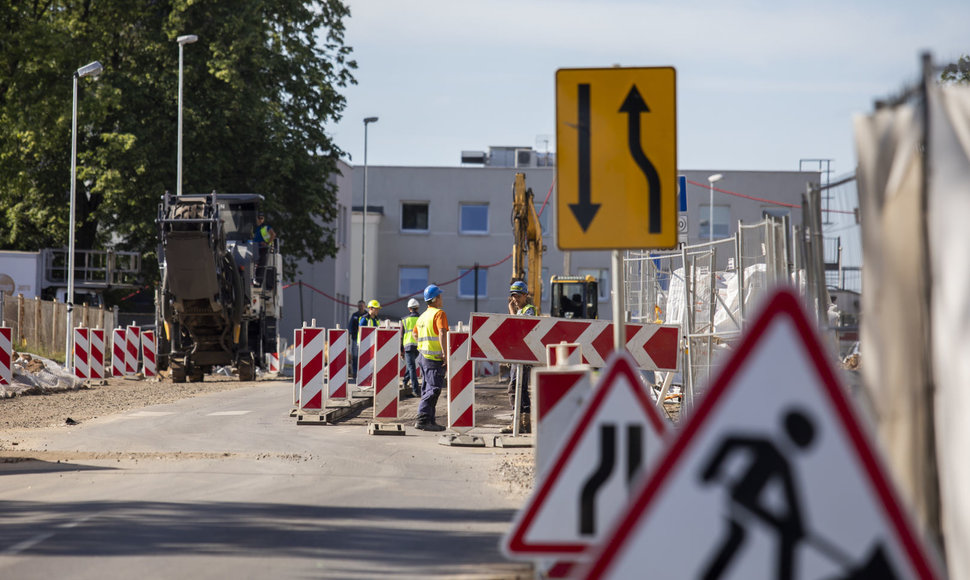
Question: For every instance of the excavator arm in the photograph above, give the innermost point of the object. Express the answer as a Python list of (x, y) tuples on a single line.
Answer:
[(527, 244)]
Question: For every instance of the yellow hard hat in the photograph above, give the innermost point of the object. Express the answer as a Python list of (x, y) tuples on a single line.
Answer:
[(373, 304)]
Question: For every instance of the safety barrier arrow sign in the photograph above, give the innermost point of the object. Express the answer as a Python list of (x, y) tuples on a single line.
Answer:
[(523, 339)]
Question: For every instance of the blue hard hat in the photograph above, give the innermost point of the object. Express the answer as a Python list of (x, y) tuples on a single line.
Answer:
[(518, 287), (431, 292)]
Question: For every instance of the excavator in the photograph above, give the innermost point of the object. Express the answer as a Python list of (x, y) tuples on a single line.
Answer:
[(572, 296)]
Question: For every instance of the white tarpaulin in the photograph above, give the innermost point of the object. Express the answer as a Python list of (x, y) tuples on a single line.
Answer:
[(948, 211)]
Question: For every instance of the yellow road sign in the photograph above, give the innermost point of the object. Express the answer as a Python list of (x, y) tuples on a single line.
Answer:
[(616, 158)]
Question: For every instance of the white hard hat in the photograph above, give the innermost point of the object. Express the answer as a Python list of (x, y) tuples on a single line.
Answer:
[(413, 303)]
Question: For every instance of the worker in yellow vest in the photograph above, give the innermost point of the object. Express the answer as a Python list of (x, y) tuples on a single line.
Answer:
[(431, 333), (409, 344)]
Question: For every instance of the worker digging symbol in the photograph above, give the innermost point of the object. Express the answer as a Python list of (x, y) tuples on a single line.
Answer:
[(751, 503)]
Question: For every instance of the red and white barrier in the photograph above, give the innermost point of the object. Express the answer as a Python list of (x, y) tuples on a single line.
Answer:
[(273, 361), (96, 353), (297, 364), (148, 350), (560, 394), (337, 365), (365, 356), (311, 373), (461, 382), (81, 348), (387, 346), (119, 348), (574, 354), (6, 356), (133, 339)]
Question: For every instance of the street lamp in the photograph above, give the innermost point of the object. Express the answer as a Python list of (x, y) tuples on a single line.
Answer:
[(92, 69), (363, 229), (182, 40), (710, 223)]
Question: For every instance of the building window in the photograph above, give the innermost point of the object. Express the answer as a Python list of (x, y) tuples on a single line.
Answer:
[(466, 285), (473, 218), (722, 222), (602, 276), (411, 280), (342, 226), (414, 216)]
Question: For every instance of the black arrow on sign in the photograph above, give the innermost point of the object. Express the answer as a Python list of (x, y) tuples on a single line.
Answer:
[(585, 210), (633, 106)]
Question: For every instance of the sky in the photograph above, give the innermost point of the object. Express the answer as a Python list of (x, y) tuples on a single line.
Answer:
[(761, 84)]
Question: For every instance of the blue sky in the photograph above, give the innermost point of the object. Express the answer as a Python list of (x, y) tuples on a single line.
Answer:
[(760, 84)]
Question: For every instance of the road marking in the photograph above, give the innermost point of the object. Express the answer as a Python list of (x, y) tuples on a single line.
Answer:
[(226, 413), (151, 413), (31, 542)]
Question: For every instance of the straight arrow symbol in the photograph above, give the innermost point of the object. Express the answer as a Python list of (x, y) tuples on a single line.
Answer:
[(634, 106), (585, 210)]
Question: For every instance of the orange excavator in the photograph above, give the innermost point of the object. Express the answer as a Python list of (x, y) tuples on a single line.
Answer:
[(527, 244)]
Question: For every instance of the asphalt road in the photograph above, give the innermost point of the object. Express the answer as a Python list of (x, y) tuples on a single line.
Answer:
[(227, 485)]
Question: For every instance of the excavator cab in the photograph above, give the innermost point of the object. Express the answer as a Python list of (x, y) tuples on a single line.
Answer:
[(574, 297)]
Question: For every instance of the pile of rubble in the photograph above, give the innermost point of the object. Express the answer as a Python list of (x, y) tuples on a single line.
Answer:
[(35, 375)]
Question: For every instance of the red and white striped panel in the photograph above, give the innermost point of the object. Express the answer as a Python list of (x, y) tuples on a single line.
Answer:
[(119, 348), (148, 350), (96, 356), (273, 361), (297, 363), (338, 363), (386, 381), (6, 356), (560, 394), (574, 354), (461, 382), (365, 356), (81, 348), (311, 373), (133, 338)]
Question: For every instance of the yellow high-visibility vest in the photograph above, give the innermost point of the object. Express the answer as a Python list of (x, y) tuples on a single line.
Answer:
[(429, 344), (409, 322)]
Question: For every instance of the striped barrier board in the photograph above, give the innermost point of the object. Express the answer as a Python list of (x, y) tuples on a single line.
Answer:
[(461, 382), (387, 346), (574, 354), (132, 340), (96, 357), (297, 366), (81, 348), (273, 361), (311, 373), (148, 350), (337, 365), (365, 356), (6, 356), (522, 339), (560, 394), (119, 348)]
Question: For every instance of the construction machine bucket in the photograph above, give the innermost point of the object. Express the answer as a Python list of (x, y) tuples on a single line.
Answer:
[(191, 266)]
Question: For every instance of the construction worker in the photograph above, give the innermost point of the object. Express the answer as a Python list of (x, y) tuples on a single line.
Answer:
[(431, 333), (263, 237), (352, 327), (409, 344), (520, 304), (369, 319)]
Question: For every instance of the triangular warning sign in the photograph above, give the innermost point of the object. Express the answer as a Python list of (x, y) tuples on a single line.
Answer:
[(771, 477), (614, 440)]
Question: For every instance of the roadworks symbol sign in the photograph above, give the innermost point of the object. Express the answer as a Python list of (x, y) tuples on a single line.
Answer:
[(617, 435), (771, 477)]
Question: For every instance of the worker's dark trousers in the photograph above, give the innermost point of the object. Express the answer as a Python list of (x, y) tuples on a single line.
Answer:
[(525, 404), (433, 373), (410, 372)]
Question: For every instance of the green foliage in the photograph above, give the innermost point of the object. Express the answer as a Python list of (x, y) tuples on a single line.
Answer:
[(259, 87), (957, 72)]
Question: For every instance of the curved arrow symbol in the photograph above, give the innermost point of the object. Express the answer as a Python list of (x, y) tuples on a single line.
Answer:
[(585, 210), (633, 106)]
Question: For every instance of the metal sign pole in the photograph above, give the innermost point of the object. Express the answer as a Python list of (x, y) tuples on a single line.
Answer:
[(619, 304)]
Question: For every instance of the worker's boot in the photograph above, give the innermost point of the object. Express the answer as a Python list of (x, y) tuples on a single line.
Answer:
[(525, 423)]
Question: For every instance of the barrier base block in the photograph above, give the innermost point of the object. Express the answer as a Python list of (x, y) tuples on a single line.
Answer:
[(385, 429), (311, 420), (509, 441), (294, 412), (463, 440)]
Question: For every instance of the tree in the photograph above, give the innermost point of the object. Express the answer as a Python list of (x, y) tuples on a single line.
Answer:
[(957, 72), (260, 86)]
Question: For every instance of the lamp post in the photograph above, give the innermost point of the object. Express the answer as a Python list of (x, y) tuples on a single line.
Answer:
[(363, 229), (710, 223), (182, 40), (91, 69)]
